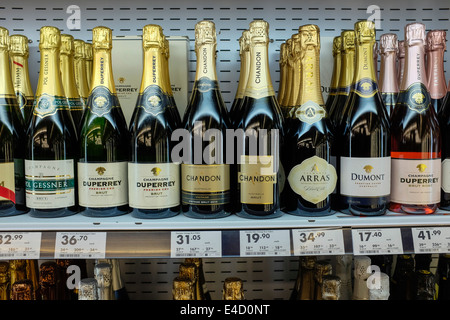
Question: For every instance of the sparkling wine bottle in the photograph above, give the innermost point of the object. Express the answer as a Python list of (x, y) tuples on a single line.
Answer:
[(435, 49), (388, 71)]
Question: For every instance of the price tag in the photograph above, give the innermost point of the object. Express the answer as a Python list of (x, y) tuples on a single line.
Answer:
[(377, 241), (20, 245), (84, 245), (318, 242), (264, 243), (195, 244), (431, 239)]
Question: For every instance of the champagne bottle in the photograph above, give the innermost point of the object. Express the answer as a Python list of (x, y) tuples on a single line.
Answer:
[(20, 72), (443, 276), (380, 290), (80, 69), (233, 289), (331, 287), (205, 177), (364, 161), (12, 137), (295, 80), (153, 178), (334, 83), (288, 76), (425, 285), (361, 274), (48, 280), (259, 186), (415, 135), (435, 49), (388, 79), (183, 289), (311, 178), (283, 73), (89, 56), (88, 289), (375, 59), (76, 103), (322, 268), (173, 106), (444, 125), (401, 61), (5, 283), (52, 139), (307, 283), (103, 275), (22, 290), (104, 139)]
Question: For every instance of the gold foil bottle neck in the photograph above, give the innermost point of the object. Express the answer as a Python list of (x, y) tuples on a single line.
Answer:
[(4, 39), (259, 30), (102, 38), (244, 42), (67, 46), (19, 45), (401, 49), (183, 289), (348, 40), (365, 32), (337, 41), (153, 37), (415, 33), (388, 43), (233, 289), (166, 47), (436, 40), (309, 37), (88, 51), (78, 49), (205, 33), (50, 38), (296, 47)]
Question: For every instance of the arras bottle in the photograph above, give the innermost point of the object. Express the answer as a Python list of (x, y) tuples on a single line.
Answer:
[(104, 139), (80, 69), (205, 175), (364, 160), (310, 176), (76, 103), (12, 139), (50, 162), (435, 49), (153, 178), (415, 135), (19, 54), (334, 83), (387, 79), (258, 166), (88, 52)]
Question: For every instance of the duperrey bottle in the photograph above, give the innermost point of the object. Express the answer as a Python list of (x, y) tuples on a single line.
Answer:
[(337, 63), (364, 144), (104, 139), (19, 55), (310, 176), (153, 178), (80, 69), (435, 50), (258, 163), (12, 138), (50, 163), (387, 79), (415, 135), (76, 103), (205, 175)]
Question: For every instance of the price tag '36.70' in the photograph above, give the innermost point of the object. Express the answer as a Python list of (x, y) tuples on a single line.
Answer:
[(83, 245)]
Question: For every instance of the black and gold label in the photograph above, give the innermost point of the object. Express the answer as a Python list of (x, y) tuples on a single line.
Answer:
[(46, 105), (101, 101), (153, 100), (416, 97), (310, 112), (365, 88)]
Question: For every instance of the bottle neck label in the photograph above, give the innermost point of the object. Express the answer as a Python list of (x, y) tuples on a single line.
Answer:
[(310, 112), (205, 84), (46, 105), (365, 88), (259, 84), (415, 97), (101, 101), (206, 59), (153, 100)]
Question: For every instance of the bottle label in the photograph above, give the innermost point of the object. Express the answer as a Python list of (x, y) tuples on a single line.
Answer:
[(205, 84), (416, 97), (344, 90), (365, 177), (257, 178), (49, 184), (314, 179), (310, 112), (445, 168), (365, 88), (416, 181), (23, 100), (205, 184), (154, 185), (102, 185), (46, 105), (153, 100), (7, 182), (75, 104), (101, 101), (259, 84)]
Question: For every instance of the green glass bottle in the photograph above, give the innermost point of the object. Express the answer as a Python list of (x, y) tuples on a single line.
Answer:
[(104, 139)]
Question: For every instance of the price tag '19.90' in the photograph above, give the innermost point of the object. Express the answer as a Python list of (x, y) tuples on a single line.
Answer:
[(318, 242), (264, 243), (87, 245), (198, 244), (20, 245)]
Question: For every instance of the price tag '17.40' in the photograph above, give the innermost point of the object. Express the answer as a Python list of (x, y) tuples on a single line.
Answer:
[(20, 245), (318, 242), (83, 245), (198, 244), (377, 241), (431, 239)]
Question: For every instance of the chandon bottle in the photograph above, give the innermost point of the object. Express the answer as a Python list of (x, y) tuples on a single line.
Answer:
[(336, 72), (80, 69), (311, 178), (50, 163), (76, 103), (388, 71), (12, 139), (153, 178), (19, 54), (258, 163), (205, 177), (437, 86), (364, 160), (104, 139), (415, 135)]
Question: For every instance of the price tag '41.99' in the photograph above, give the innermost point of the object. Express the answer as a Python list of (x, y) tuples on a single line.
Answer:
[(87, 245), (431, 239)]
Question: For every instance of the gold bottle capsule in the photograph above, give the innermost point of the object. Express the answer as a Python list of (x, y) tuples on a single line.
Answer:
[(233, 289)]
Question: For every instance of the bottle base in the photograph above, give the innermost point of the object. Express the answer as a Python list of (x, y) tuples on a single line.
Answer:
[(52, 213), (414, 209), (250, 214), (153, 214), (10, 209), (104, 212), (212, 215), (206, 212), (313, 213)]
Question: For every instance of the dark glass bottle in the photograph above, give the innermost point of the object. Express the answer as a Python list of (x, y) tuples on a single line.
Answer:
[(153, 178), (262, 131), (364, 145), (307, 148), (415, 135), (283, 73), (388, 71), (402, 280), (443, 277), (50, 163), (104, 139), (337, 63), (81, 78)]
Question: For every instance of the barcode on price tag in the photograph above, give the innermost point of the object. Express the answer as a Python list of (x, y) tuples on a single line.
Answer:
[(377, 241), (264, 243), (198, 244), (318, 242), (82, 245), (20, 245), (431, 239)]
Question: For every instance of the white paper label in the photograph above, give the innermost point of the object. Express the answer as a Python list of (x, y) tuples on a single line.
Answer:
[(377, 241), (264, 243), (188, 244), (431, 239), (84, 245), (445, 171), (102, 184), (20, 245), (318, 242)]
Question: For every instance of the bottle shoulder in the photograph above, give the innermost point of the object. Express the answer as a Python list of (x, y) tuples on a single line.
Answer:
[(263, 111)]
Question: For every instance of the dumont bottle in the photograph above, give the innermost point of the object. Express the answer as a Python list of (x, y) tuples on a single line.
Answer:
[(364, 145), (12, 138), (50, 163), (262, 126), (310, 176), (19, 54), (334, 83), (153, 178), (435, 49), (387, 79), (205, 175), (104, 139), (415, 135)]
